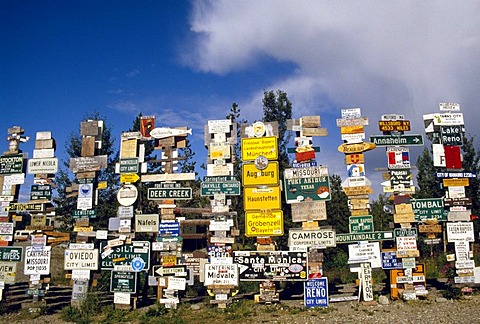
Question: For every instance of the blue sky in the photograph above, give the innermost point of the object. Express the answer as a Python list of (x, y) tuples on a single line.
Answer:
[(187, 61)]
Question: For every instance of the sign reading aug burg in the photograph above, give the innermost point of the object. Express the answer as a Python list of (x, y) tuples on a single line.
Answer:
[(256, 146), (252, 176), (271, 265)]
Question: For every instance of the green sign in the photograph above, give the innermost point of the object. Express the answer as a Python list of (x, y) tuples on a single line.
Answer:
[(123, 281), (229, 188), (357, 237), (129, 165), (10, 164), (307, 189), (90, 213), (40, 192), (124, 254), (169, 193), (404, 140), (11, 253), (360, 224), (429, 209)]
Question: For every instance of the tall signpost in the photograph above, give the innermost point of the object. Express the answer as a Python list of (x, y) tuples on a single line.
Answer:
[(399, 182), (220, 273), (446, 129), (307, 188), (12, 175)]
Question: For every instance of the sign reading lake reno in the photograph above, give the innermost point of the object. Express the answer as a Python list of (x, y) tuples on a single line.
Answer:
[(86, 164), (81, 259), (387, 140), (221, 274), (271, 265), (47, 165), (37, 262), (264, 223), (124, 254), (169, 193), (311, 238), (11, 164), (252, 176), (262, 198), (431, 208), (254, 147)]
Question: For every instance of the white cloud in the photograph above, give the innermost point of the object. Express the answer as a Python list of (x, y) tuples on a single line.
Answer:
[(133, 73)]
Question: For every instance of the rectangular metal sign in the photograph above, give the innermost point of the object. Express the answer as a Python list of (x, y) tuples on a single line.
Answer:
[(352, 238), (264, 223), (124, 254), (262, 198), (309, 211), (252, 176), (46, 165), (123, 281), (321, 238), (360, 224), (11, 164), (390, 260), (271, 265), (11, 253), (394, 125), (81, 259), (404, 140), (37, 262), (307, 189), (221, 274), (315, 292), (229, 188), (259, 146), (129, 165), (431, 208), (169, 193)]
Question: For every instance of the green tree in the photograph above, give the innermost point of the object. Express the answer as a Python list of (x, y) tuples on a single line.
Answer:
[(428, 184), (337, 208)]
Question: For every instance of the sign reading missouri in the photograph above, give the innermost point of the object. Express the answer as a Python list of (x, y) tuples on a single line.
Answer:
[(313, 238), (298, 173)]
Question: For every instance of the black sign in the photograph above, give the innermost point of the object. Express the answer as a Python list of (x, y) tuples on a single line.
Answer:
[(41, 192), (10, 164), (272, 265), (123, 281), (451, 135)]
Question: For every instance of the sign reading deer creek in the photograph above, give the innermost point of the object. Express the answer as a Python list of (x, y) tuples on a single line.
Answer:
[(81, 259), (169, 193), (264, 146), (264, 223), (272, 265)]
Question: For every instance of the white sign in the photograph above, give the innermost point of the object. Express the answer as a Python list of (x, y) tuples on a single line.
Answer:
[(121, 298), (365, 252), (14, 179), (221, 274), (438, 155), (37, 262), (219, 126), (81, 259), (7, 272), (80, 274), (176, 283), (449, 106), (146, 223), (351, 113), (47, 165), (462, 250), (366, 277), (460, 232), (398, 157), (125, 212), (456, 192), (406, 243), (311, 238), (127, 195), (85, 196), (80, 246)]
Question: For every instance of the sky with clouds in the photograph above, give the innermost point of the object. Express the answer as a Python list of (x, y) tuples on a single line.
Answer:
[(187, 61)]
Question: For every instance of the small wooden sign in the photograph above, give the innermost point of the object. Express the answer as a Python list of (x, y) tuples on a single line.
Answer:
[(354, 158), (430, 228), (359, 190), (356, 147), (88, 146), (456, 182)]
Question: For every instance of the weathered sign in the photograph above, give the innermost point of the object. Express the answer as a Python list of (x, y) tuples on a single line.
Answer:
[(11, 164), (460, 232), (7, 272), (307, 189), (86, 164), (309, 211)]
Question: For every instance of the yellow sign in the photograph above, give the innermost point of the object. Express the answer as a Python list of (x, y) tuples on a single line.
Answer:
[(356, 147), (129, 177), (354, 158), (83, 228), (102, 185), (264, 223), (169, 260), (262, 198), (251, 176), (220, 151), (456, 182), (352, 129), (259, 146)]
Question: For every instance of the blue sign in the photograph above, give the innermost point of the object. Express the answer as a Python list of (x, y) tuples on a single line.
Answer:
[(316, 292), (138, 264), (390, 261), (169, 229)]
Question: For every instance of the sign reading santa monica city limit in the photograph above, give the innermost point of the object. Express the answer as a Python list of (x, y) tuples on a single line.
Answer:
[(387, 140)]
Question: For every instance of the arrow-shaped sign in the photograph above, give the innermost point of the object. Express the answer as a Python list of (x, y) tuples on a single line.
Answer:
[(129, 177), (178, 271)]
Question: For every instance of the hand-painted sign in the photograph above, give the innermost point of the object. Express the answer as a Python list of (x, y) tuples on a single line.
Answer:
[(271, 265), (307, 189), (11, 164), (431, 208), (460, 232), (37, 261)]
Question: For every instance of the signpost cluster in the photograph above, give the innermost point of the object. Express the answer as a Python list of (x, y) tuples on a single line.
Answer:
[(401, 260), (446, 128), (307, 188)]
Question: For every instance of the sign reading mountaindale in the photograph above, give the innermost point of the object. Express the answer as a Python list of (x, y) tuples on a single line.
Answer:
[(272, 265)]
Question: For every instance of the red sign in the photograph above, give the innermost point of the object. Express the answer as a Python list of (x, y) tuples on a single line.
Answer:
[(147, 123), (453, 157)]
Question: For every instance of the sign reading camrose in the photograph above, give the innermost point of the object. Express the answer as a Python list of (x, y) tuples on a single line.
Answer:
[(311, 238)]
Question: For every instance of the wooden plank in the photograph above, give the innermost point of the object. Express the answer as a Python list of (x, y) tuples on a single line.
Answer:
[(308, 131), (89, 128), (88, 146), (128, 148), (86, 175), (44, 144), (310, 121), (167, 177)]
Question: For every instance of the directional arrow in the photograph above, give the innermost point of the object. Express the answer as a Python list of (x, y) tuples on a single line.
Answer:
[(129, 177)]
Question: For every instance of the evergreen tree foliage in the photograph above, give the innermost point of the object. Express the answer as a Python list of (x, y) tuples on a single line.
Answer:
[(337, 208), (428, 185)]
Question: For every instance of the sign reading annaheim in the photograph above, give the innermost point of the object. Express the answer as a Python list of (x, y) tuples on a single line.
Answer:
[(37, 262)]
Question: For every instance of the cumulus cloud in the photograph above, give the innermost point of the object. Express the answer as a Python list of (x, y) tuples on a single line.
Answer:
[(383, 56)]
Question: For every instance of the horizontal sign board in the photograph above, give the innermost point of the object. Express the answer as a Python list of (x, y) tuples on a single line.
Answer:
[(252, 176), (124, 254), (146, 223), (404, 140), (455, 182), (229, 188), (261, 146), (307, 189), (129, 165), (86, 164), (11, 164), (221, 274), (262, 198), (11, 253), (321, 238), (264, 223), (365, 252), (81, 259), (7, 272), (394, 125), (46, 165), (169, 193), (449, 106), (463, 174), (460, 232), (360, 224), (390, 260), (361, 121), (404, 232), (123, 281), (309, 172), (352, 238), (309, 211), (431, 208), (271, 265), (356, 147), (37, 262)]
